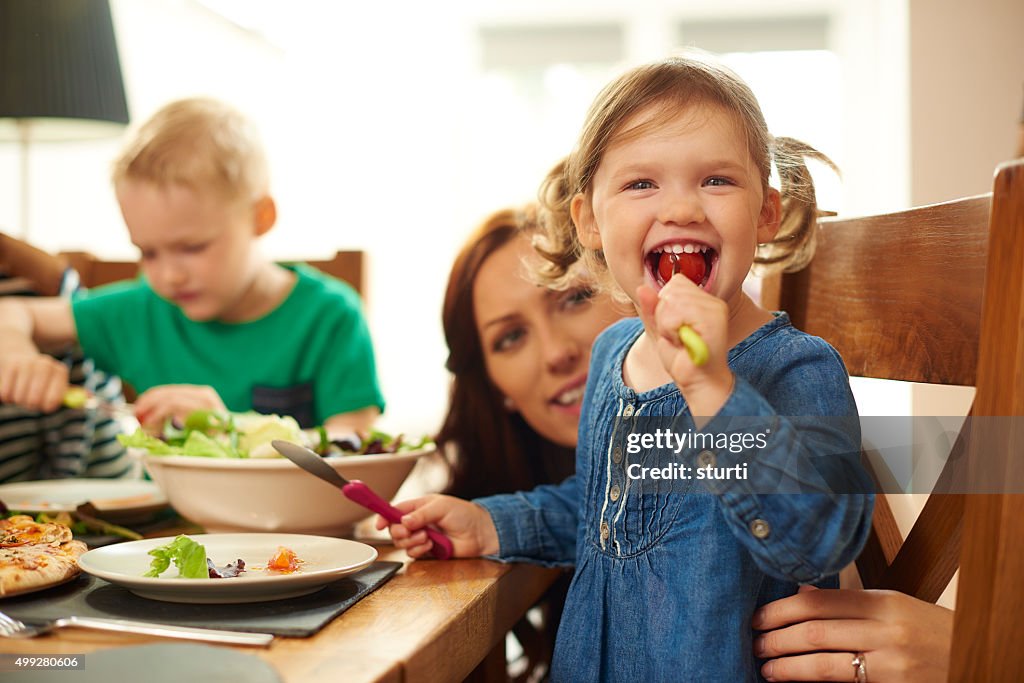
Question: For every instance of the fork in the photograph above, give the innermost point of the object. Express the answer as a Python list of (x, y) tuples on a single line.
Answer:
[(12, 628), (77, 397)]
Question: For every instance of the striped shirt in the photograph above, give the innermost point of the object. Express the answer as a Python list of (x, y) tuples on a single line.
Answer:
[(69, 442)]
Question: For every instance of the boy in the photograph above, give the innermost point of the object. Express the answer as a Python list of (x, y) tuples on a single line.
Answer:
[(213, 324)]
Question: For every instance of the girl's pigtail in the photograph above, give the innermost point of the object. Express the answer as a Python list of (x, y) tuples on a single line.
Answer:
[(794, 244), (556, 240)]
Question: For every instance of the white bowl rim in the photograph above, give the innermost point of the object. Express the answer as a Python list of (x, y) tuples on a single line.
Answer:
[(282, 463)]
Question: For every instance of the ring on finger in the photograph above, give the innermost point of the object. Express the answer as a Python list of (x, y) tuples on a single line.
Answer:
[(860, 668)]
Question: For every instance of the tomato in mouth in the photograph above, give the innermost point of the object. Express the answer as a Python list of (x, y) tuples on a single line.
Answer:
[(693, 266)]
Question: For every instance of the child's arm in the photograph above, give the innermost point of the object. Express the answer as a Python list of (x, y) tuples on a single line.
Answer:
[(803, 509), (29, 378), (468, 525), (533, 526)]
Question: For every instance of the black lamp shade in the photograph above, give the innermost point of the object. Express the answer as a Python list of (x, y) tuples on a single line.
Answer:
[(59, 67)]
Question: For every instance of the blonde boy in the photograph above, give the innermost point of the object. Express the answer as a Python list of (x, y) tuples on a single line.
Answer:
[(213, 323)]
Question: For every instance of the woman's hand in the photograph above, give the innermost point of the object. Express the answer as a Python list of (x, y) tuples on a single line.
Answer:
[(34, 381), (814, 635), (153, 407), (468, 525), (680, 302)]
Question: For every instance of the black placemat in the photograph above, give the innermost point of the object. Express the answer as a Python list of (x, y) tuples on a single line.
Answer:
[(88, 596)]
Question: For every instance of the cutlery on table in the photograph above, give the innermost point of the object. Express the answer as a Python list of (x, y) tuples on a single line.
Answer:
[(357, 492), (12, 628)]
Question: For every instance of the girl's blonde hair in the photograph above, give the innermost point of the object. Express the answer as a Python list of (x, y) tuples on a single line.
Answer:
[(671, 85), (200, 143)]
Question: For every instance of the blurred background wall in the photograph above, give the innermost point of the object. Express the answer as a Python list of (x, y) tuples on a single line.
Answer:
[(396, 127)]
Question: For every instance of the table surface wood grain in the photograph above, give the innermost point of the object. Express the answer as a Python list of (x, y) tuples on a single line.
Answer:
[(433, 621)]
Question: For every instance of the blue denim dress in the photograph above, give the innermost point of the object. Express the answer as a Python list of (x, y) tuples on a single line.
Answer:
[(668, 573)]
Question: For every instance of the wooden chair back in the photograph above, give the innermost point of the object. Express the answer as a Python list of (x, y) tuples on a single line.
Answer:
[(934, 294), (345, 265), (899, 296)]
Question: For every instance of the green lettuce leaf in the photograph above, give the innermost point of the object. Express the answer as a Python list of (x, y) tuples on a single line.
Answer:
[(188, 556), (140, 439)]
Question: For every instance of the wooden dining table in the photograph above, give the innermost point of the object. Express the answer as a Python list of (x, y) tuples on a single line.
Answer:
[(433, 621)]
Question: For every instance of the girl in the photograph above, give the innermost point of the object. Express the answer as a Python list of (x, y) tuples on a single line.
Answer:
[(672, 168)]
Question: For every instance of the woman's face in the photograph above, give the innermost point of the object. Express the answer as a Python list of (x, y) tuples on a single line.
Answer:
[(536, 342)]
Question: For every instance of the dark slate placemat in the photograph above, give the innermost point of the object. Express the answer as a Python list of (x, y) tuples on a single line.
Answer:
[(88, 596), (158, 663)]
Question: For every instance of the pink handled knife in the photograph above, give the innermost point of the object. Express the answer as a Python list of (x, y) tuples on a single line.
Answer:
[(357, 492)]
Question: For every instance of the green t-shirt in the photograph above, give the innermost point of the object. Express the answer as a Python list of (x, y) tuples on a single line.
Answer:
[(311, 357)]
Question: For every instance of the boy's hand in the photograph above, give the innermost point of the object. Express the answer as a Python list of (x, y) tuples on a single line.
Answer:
[(153, 407), (33, 381), (468, 525), (681, 302)]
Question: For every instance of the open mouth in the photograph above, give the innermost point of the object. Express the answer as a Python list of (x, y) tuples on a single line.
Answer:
[(692, 259), (570, 396)]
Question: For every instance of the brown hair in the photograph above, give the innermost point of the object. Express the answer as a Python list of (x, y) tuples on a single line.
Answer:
[(489, 449), (200, 143), (670, 85)]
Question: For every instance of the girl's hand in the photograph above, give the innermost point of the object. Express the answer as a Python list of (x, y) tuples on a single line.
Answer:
[(468, 525), (34, 381), (153, 407), (681, 302), (814, 635)]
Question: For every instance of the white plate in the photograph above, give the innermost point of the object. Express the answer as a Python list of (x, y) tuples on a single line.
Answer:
[(324, 560), (64, 495)]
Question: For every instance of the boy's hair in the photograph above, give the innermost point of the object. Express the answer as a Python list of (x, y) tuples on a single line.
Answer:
[(200, 143), (671, 85)]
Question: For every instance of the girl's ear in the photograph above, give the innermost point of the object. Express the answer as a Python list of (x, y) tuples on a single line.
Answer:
[(771, 215), (264, 215), (583, 218)]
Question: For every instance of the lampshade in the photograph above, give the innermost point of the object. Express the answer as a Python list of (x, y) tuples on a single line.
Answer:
[(59, 69)]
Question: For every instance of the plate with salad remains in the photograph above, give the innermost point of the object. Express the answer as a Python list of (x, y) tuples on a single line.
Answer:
[(221, 472), (227, 568)]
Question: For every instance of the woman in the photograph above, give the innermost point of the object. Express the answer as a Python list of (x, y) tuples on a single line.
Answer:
[(518, 354)]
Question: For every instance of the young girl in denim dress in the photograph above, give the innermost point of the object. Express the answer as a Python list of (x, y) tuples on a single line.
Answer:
[(673, 168)]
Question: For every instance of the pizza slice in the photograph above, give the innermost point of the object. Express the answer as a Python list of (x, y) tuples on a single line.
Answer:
[(35, 555)]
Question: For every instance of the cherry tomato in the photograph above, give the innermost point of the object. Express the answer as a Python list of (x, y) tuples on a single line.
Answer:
[(692, 266)]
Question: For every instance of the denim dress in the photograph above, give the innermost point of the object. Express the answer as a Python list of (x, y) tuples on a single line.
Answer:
[(669, 572)]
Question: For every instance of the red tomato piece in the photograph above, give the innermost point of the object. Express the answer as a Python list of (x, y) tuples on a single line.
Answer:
[(284, 560), (693, 266)]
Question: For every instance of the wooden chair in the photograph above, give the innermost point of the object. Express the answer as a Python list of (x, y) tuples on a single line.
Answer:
[(345, 265), (936, 294)]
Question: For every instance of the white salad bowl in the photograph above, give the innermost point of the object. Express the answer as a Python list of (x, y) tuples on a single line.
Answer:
[(273, 494)]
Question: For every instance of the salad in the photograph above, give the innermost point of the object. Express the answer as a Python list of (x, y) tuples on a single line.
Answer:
[(190, 557), (213, 434)]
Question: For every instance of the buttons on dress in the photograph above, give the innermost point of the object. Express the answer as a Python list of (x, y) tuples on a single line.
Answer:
[(617, 455), (760, 528), (605, 531), (705, 459), (627, 411), (615, 492)]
